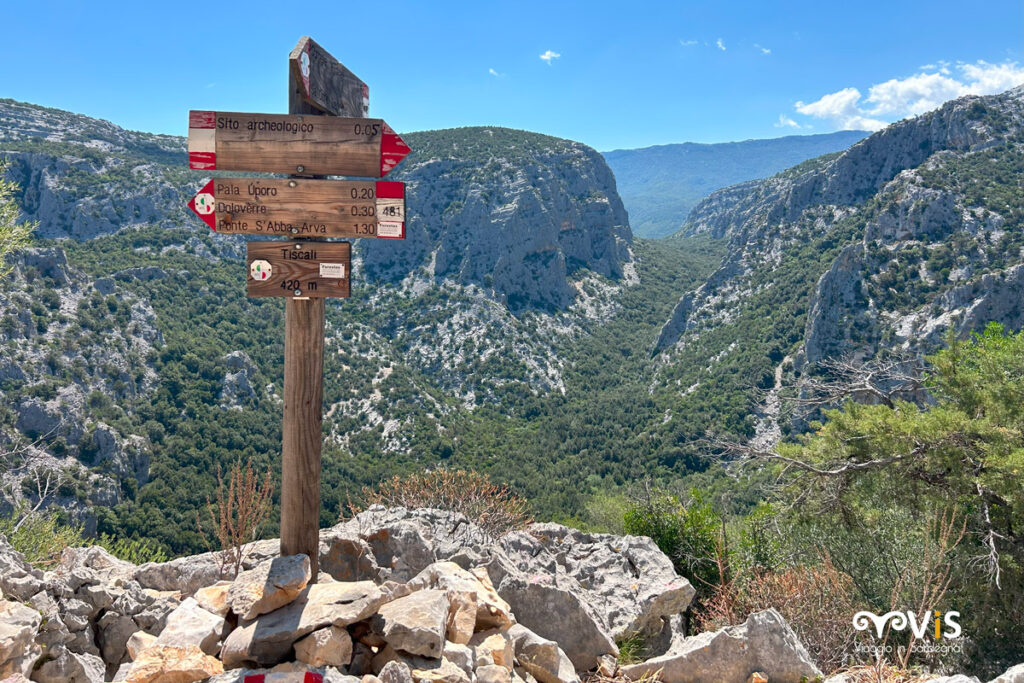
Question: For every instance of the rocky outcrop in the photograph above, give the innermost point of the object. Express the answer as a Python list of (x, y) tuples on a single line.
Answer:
[(421, 588), (554, 211)]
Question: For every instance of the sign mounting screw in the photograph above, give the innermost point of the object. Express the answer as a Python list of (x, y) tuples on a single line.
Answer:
[(298, 292), (300, 169)]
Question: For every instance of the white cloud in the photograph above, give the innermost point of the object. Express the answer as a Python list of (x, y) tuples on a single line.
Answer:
[(720, 44), (494, 73), (687, 43), (899, 98), (549, 55), (786, 122), (764, 50)]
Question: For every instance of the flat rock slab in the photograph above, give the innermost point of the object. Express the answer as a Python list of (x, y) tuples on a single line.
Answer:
[(269, 639)]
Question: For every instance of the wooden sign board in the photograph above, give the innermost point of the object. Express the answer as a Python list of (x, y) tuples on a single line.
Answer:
[(299, 270), (300, 207), (292, 143), (325, 82)]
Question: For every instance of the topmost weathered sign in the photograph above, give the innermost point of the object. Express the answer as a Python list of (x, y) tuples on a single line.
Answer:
[(326, 83)]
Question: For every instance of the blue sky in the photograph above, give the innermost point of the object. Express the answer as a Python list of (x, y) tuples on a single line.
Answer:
[(616, 75)]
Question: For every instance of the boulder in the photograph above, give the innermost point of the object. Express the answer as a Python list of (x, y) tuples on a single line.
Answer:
[(625, 581), (765, 643), (540, 657), (1012, 675), (214, 599), (190, 624), (271, 585), (63, 666), (161, 664), (551, 605), (417, 623), (269, 638), (326, 647), (18, 626), (958, 678)]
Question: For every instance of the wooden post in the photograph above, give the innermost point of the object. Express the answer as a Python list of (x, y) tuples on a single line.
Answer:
[(303, 408)]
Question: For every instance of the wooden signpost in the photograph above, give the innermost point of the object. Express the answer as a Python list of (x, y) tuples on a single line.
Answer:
[(284, 143), (325, 132), (301, 207)]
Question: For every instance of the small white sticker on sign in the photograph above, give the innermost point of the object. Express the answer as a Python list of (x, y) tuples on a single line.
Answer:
[(332, 270), (260, 270), (390, 229)]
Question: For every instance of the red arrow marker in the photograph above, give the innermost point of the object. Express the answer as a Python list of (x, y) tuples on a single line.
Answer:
[(392, 150), (203, 205)]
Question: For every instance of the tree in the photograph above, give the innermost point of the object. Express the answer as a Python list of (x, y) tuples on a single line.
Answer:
[(868, 482), (14, 236)]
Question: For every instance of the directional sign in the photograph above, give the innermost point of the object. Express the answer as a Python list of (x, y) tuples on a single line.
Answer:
[(293, 143), (300, 207), (299, 269), (325, 82)]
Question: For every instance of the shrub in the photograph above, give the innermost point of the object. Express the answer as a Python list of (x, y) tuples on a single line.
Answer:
[(817, 602), (492, 507), (241, 508), (41, 538), (690, 533), (134, 550)]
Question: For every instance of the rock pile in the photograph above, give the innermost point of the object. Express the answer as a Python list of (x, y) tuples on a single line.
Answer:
[(402, 597)]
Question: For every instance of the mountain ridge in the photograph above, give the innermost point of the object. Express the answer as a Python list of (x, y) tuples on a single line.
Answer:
[(660, 184)]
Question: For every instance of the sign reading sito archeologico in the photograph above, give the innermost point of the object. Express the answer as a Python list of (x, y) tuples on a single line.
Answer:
[(293, 143), (300, 207), (299, 269)]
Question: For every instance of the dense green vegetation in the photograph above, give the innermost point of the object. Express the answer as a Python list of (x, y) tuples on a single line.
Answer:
[(539, 443)]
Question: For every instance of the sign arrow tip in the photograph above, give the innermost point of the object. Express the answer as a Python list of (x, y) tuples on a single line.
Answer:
[(392, 150), (203, 205)]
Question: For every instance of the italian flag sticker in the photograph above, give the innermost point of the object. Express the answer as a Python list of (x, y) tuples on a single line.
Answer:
[(260, 270)]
